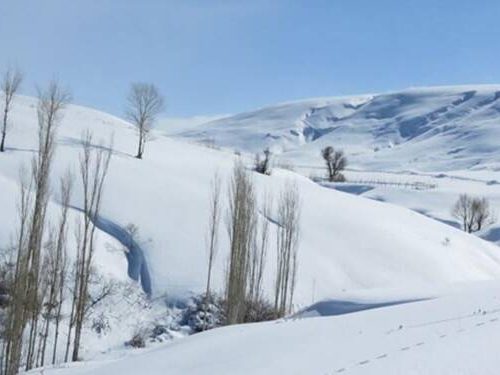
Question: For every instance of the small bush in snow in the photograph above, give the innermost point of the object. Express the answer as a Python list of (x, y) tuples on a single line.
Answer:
[(260, 311), (203, 314), (159, 330), (162, 333), (138, 340)]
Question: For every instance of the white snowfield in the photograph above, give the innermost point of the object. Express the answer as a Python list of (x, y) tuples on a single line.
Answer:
[(350, 246), (454, 334), (347, 243)]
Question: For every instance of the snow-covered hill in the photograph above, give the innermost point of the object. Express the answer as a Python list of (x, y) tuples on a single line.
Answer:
[(165, 196), (438, 128), (348, 244)]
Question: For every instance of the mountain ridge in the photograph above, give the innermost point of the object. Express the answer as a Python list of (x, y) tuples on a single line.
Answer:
[(396, 125)]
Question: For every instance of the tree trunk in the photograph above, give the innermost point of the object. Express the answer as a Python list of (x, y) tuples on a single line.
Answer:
[(4, 130), (139, 148), (4, 127)]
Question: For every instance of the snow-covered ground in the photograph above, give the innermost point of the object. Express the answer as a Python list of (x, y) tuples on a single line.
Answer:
[(453, 334), (385, 236)]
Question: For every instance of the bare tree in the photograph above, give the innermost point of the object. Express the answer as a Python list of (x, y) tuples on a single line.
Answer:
[(263, 166), (258, 252), (144, 104), (94, 163), (462, 210), (335, 163), (15, 324), (213, 228), (287, 237), (241, 225), (25, 308), (9, 85), (56, 266), (474, 213), (50, 105), (485, 215)]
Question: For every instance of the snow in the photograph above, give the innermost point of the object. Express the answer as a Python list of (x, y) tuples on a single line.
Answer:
[(166, 197), (174, 125), (366, 246), (453, 334), (379, 131)]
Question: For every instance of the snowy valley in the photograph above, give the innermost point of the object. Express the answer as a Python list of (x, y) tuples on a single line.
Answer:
[(387, 282)]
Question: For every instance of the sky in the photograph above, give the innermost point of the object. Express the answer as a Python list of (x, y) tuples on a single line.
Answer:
[(212, 57)]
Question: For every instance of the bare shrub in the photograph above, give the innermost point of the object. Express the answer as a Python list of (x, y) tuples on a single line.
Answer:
[(138, 340), (259, 310)]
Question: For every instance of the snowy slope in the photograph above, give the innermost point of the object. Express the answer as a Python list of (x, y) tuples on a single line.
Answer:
[(383, 131), (165, 195), (456, 333), (432, 195), (349, 245)]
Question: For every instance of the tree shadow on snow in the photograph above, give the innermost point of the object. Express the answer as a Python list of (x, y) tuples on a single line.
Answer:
[(77, 142)]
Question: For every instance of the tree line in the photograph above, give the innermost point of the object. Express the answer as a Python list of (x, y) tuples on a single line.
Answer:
[(248, 222), (39, 279), (40, 269)]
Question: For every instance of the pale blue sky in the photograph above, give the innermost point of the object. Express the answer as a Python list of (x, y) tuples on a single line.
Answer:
[(227, 56)]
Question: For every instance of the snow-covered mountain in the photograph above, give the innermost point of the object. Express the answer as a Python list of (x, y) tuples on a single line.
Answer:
[(437, 128)]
